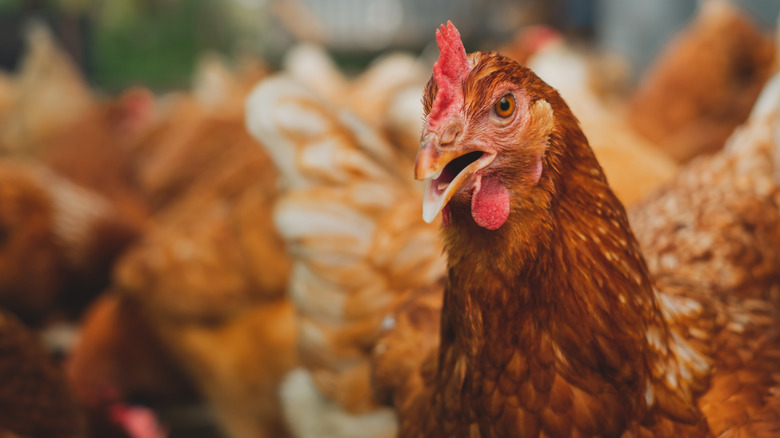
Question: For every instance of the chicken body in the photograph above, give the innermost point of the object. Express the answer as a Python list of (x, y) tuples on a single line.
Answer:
[(552, 324), (210, 274)]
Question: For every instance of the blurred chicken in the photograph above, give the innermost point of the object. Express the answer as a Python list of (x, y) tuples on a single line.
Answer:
[(528, 41), (57, 240), (189, 133), (118, 357), (210, 275), (704, 82), (348, 215), (716, 223), (386, 95), (80, 193), (633, 165), (35, 400)]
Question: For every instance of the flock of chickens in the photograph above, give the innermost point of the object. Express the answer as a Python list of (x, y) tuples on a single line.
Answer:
[(249, 258)]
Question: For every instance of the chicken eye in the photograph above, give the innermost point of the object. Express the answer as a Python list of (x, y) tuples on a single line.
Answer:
[(505, 107)]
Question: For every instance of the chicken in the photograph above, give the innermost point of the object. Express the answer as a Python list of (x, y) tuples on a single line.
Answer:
[(35, 400), (716, 223), (190, 136), (210, 241), (349, 215), (704, 82), (54, 118), (57, 240), (551, 323), (68, 203), (633, 165), (118, 357), (210, 274)]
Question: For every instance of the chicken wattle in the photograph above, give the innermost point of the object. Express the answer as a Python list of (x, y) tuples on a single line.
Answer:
[(489, 202)]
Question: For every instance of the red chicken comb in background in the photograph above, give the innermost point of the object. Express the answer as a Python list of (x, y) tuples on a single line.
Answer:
[(449, 71)]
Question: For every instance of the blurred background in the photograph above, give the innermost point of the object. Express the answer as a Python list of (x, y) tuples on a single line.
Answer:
[(150, 284), (157, 42)]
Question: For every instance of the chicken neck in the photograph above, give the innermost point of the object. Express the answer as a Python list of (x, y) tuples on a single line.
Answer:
[(545, 320)]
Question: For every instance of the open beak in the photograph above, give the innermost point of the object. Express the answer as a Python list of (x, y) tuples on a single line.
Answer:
[(445, 170)]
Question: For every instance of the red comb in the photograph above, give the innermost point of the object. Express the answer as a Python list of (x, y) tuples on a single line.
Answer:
[(449, 72)]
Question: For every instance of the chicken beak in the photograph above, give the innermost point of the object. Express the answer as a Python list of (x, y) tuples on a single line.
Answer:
[(430, 163), (429, 159), (442, 183)]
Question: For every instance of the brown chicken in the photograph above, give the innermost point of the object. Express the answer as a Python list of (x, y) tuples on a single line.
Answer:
[(704, 82), (210, 274), (57, 240), (551, 323), (35, 399), (55, 118), (65, 219), (188, 136), (716, 223)]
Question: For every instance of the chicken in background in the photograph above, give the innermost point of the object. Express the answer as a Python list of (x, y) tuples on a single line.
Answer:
[(704, 82), (118, 357), (35, 400), (349, 217), (189, 133), (63, 164), (632, 164), (716, 224), (386, 95), (208, 277), (545, 252), (57, 241)]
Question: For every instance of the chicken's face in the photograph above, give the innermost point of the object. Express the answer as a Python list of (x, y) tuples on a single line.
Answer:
[(486, 131)]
